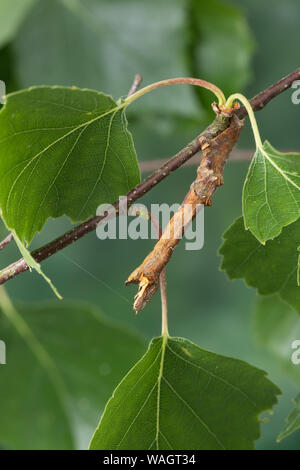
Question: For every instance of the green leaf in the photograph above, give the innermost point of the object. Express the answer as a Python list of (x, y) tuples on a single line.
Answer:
[(179, 396), (271, 268), (95, 44), (276, 327), (33, 264), (271, 194), (11, 16), (63, 361), (293, 420), (222, 46), (63, 151)]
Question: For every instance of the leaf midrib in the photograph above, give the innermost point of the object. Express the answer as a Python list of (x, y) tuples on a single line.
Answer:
[(157, 383)]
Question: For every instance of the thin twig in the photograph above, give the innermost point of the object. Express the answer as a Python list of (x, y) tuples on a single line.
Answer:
[(135, 84), (179, 159), (164, 304), (6, 241), (162, 283), (237, 155), (263, 98)]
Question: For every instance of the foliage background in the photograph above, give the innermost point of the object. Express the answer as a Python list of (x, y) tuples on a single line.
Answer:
[(204, 306)]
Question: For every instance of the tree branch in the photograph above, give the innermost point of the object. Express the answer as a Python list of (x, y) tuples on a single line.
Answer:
[(263, 98), (237, 155), (179, 159), (6, 241)]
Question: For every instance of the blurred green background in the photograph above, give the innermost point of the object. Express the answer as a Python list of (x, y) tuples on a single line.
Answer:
[(241, 46)]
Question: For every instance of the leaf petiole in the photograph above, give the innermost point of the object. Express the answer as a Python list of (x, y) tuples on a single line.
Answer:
[(178, 81), (246, 103)]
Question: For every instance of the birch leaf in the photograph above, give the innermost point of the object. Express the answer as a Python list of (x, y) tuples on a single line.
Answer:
[(271, 268), (292, 421), (63, 361), (271, 194), (276, 327), (63, 151), (179, 396), (85, 43)]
